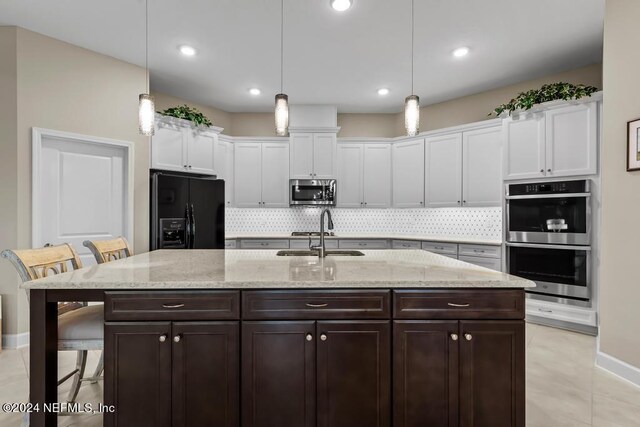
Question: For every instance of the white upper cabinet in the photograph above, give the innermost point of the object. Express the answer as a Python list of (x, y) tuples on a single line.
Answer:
[(179, 146), (169, 148), (364, 175), (571, 140), (524, 150), (408, 173), (247, 174), (482, 167), (443, 170), (377, 176), (349, 183), (556, 142), (261, 174), (312, 155), (275, 175), (224, 168)]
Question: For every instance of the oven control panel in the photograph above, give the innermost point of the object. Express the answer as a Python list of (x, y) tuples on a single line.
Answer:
[(556, 187)]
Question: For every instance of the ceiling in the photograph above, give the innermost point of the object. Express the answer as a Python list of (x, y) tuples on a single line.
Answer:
[(332, 58)]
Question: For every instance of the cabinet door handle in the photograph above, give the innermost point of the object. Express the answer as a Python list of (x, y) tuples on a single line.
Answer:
[(454, 337), (177, 338), (541, 170), (323, 337), (162, 338), (468, 337), (452, 304), (184, 166), (178, 305), (548, 170), (316, 305), (309, 337)]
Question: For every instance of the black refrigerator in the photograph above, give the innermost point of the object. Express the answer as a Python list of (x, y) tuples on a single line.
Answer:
[(187, 211)]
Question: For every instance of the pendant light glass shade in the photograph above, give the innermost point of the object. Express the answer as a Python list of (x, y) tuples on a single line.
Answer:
[(412, 115), (146, 115), (282, 115)]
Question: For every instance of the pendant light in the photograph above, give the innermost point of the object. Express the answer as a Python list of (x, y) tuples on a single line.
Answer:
[(146, 106), (282, 100), (412, 102)]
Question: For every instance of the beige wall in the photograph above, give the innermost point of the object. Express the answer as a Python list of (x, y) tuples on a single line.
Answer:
[(218, 117), (474, 108), (372, 125), (8, 173), (252, 124), (620, 281), (67, 88)]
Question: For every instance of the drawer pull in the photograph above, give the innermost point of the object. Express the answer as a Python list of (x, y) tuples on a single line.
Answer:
[(478, 251), (544, 310), (362, 244), (451, 304), (316, 305), (179, 305), (439, 248)]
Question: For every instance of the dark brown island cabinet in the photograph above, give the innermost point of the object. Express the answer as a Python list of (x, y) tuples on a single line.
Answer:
[(315, 358)]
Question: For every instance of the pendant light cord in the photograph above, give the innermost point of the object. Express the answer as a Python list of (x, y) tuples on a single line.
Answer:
[(146, 42), (412, 42), (281, 45)]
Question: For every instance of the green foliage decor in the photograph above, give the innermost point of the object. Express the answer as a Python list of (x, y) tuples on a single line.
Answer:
[(187, 113), (548, 92)]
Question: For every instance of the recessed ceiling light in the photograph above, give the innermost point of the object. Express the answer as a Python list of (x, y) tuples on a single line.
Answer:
[(383, 91), (340, 5), (254, 91), (187, 50), (460, 52)]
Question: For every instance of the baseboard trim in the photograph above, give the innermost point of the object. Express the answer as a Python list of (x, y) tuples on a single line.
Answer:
[(618, 368), (14, 341)]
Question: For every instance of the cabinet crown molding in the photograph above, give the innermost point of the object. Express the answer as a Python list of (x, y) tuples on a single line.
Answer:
[(174, 121)]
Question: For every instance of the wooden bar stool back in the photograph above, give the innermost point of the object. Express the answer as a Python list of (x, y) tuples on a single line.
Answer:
[(80, 327), (109, 250)]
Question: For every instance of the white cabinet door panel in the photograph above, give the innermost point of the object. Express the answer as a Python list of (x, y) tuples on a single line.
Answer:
[(350, 175), (443, 170), (482, 168), (524, 147), (248, 174), (301, 155), (408, 174), (275, 174), (223, 161), (169, 148), (491, 263), (377, 175), (200, 152), (324, 156), (571, 140)]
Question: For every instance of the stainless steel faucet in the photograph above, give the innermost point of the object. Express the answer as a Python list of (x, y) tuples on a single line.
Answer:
[(322, 252)]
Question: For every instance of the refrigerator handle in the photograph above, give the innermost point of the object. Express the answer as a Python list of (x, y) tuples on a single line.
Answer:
[(193, 226), (187, 232)]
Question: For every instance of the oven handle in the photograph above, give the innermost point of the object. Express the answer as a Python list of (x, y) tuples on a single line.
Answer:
[(548, 196), (542, 246)]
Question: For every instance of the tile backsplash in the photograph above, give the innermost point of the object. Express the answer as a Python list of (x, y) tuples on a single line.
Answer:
[(481, 223)]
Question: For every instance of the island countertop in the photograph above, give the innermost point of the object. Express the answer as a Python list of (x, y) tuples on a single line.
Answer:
[(263, 269)]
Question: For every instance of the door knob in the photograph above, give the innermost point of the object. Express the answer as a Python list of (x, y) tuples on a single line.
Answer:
[(177, 338), (468, 337), (163, 338), (541, 170), (548, 170), (323, 337), (454, 337), (309, 337)]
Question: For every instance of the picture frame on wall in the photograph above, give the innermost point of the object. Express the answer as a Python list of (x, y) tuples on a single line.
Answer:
[(633, 145)]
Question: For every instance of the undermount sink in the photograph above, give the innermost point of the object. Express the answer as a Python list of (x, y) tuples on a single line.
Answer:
[(315, 253)]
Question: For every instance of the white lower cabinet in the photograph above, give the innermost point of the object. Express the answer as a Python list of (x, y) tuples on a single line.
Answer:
[(405, 244), (583, 319), (264, 244), (261, 174), (441, 248), (363, 244), (364, 175), (492, 263), (230, 244), (304, 243)]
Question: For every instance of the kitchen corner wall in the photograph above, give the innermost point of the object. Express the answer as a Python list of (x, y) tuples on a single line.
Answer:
[(62, 87), (480, 223), (619, 279)]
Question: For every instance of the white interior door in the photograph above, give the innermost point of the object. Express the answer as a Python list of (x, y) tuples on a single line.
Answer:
[(80, 191)]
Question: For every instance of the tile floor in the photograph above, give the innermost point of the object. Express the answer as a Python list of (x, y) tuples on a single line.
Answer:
[(564, 388)]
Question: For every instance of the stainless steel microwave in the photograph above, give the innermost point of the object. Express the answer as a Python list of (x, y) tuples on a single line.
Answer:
[(315, 192)]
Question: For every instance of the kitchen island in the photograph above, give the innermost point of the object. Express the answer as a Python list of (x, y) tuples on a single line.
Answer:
[(213, 337)]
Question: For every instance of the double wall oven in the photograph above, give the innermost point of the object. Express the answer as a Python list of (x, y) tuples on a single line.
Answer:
[(549, 238)]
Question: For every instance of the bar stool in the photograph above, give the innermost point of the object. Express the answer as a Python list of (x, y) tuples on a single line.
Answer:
[(80, 326), (109, 250)]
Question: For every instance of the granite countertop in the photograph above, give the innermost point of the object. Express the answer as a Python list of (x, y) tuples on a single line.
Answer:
[(422, 238), (258, 269)]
